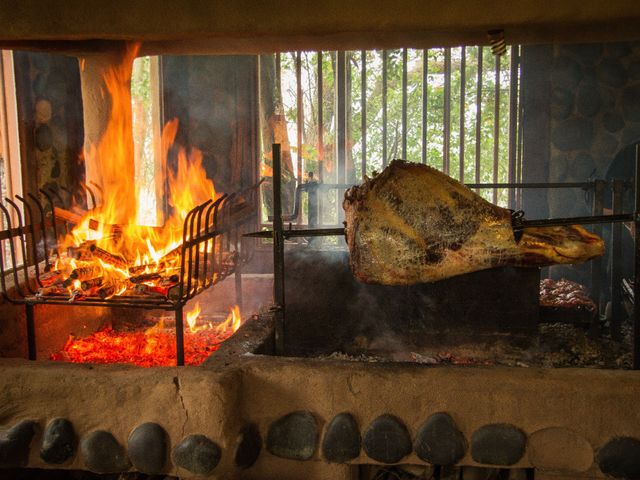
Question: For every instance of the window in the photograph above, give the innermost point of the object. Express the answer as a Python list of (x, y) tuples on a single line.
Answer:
[(344, 115), (10, 172), (147, 121)]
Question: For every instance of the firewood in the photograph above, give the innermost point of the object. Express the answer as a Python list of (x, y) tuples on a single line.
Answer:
[(52, 290), (86, 273), (108, 257), (90, 283), (76, 295), (53, 277), (107, 290), (82, 251), (145, 277)]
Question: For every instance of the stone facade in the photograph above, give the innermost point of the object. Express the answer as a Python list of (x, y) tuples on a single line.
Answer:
[(594, 113), (50, 120)]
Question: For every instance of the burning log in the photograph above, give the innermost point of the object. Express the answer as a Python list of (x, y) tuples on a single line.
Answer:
[(52, 290), (90, 283), (76, 219), (54, 277), (86, 273), (108, 257), (145, 277), (167, 261), (82, 251), (107, 290)]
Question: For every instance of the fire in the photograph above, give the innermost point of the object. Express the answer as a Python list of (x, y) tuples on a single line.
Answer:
[(232, 322), (192, 317), (110, 234)]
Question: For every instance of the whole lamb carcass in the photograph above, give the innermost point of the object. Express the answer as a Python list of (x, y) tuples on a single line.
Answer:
[(413, 224)]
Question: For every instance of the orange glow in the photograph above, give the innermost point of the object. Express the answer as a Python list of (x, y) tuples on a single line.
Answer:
[(266, 170), (192, 317), (232, 323)]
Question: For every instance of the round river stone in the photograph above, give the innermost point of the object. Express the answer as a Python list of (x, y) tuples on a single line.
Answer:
[(294, 436), (341, 441), (249, 446), (498, 444), (103, 454), (557, 448), (147, 447), (620, 458), (439, 441), (58, 442), (14, 444), (197, 454), (387, 440)]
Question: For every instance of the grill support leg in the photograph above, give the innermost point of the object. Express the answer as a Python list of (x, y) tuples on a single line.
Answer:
[(179, 337), (31, 330)]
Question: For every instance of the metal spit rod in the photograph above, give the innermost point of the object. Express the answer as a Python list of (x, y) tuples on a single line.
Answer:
[(546, 222), (278, 252), (636, 275)]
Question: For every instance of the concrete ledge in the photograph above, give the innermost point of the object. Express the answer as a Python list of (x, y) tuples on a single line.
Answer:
[(588, 407)]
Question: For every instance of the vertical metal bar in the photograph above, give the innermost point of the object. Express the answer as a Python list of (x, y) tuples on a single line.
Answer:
[(616, 253), (513, 120), (320, 131), (179, 337), (12, 251), (238, 273), (278, 81), (479, 116), (299, 114), (519, 157), (363, 112), (22, 240), (496, 128), (463, 93), (31, 330), (341, 116), (425, 97), (636, 275), (384, 108), (404, 103), (596, 263), (320, 119), (278, 253), (312, 205), (446, 117)]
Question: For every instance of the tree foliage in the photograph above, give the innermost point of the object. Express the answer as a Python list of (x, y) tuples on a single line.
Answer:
[(435, 60)]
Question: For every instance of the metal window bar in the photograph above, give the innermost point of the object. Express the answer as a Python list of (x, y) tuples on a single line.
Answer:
[(404, 103), (363, 113), (513, 122), (487, 164), (463, 88), (425, 95), (446, 120), (478, 152), (341, 115), (496, 127), (299, 113)]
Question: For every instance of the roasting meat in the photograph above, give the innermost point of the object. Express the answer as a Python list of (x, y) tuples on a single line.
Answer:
[(412, 224), (565, 294)]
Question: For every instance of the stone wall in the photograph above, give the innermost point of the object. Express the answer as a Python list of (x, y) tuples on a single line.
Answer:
[(50, 119), (594, 113)]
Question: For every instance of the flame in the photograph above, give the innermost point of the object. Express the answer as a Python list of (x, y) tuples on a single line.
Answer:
[(192, 317), (113, 224), (232, 323)]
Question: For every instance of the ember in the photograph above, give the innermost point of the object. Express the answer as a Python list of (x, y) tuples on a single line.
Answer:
[(154, 347)]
